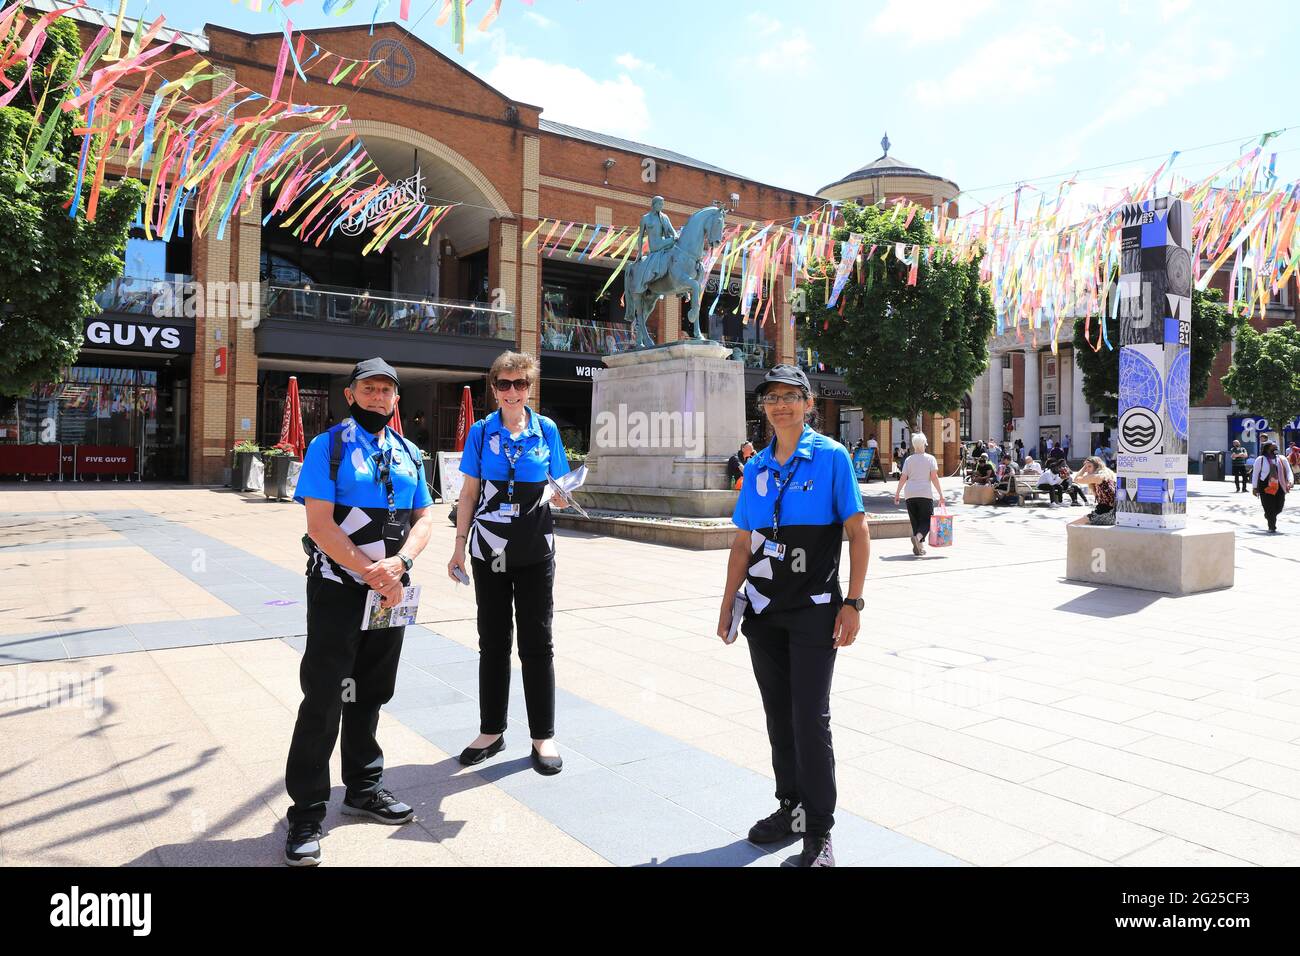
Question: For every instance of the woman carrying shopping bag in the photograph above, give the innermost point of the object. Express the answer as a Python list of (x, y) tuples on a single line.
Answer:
[(919, 474), (1271, 480)]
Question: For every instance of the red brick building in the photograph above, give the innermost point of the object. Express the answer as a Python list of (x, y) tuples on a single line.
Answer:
[(440, 313)]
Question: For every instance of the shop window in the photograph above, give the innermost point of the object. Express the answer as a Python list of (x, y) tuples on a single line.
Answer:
[(576, 317), (964, 423)]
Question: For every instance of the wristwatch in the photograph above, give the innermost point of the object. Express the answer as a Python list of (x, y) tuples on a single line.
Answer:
[(856, 603), (406, 562)]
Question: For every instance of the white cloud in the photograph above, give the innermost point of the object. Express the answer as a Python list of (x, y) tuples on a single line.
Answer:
[(1011, 66), (1166, 73), (777, 48), (569, 95), (1169, 9), (763, 24), (928, 21), (538, 19), (630, 61)]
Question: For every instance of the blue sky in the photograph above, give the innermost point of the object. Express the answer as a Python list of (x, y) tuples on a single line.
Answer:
[(984, 92)]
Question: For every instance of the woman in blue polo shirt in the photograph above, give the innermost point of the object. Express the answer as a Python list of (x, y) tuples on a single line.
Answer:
[(504, 516), (799, 496)]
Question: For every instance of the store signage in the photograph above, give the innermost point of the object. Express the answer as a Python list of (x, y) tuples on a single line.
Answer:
[(219, 361), (836, 392), (104, 460), (411, 189), (569, 369), (142, 336)]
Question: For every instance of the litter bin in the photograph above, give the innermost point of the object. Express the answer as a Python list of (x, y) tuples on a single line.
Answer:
[(1212, 466)]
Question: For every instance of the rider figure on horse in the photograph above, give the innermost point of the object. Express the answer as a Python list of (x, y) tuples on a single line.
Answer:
[(657, 226), (658, 229)]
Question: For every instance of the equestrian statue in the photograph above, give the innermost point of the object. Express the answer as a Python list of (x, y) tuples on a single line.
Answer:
[(671, 264)]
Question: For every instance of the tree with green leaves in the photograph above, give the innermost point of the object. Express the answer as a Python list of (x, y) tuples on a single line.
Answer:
[(1213, 324), (905, 349), (51, 265), (1265, 375)]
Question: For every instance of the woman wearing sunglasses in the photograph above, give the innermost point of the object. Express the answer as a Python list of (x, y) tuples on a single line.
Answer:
[(504, 518)]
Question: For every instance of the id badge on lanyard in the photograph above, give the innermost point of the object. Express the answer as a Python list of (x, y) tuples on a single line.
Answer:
[(510, 508), (394, 533), (772, 548)]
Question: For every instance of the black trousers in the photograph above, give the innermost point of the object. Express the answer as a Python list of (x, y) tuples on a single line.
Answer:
[(920, 510), (528, 591), (794, 659), (338, 650), (1273, 505), (1240, 477)]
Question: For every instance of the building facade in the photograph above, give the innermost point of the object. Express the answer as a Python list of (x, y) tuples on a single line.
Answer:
[(176, 403), (887, 178)]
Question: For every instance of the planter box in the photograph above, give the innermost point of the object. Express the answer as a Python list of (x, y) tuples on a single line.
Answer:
[(276, 481), (243, 468)]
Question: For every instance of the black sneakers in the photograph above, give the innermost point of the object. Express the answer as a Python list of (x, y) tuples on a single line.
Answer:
[(302, 848), (817, 851), (382, 807), (776, 827)]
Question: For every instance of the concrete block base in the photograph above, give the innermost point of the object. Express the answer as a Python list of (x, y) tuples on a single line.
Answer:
[(977, 495), (1185, 561)]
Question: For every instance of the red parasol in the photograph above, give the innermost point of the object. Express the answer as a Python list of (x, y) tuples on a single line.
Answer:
[(466, 419), (291, 432), (397, 416)]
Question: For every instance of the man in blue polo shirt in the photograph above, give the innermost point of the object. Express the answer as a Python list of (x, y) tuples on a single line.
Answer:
[(367, 520), (799, 496)]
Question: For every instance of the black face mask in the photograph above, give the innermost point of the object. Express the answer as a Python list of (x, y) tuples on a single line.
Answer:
[(370, 421)]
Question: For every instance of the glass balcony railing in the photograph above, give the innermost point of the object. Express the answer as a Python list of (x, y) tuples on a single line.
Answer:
[(382, 310), (810, 361), (138, 295), (585, 335), (753, 354)]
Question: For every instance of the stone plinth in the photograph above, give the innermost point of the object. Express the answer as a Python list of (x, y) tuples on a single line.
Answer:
[(1182, 561), (664, 422)]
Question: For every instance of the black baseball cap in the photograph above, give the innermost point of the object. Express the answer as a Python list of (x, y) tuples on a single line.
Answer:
[(784, 375), (369, 368)]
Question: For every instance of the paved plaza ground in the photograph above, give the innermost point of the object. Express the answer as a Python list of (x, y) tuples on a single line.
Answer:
[(991, 713)]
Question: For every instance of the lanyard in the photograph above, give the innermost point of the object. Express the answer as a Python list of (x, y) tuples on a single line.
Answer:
[(781, 487), (511, 460), (383, 472)]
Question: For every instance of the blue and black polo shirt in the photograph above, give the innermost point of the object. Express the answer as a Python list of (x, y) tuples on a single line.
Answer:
[(360, 496), (510, 519), (794, 562)]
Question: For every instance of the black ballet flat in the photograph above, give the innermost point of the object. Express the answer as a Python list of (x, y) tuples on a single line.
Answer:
[(474, 755), (547, 766)]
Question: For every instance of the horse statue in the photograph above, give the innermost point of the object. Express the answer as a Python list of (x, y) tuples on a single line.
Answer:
[(670, 271)]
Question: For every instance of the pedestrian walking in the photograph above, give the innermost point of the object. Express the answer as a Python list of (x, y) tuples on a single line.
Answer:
[(1271, 479)]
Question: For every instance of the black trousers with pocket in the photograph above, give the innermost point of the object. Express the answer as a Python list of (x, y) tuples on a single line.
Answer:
[(337, 651), (528, 592), (1273, 505), (794, 659), (919, 512), (1240, 477)]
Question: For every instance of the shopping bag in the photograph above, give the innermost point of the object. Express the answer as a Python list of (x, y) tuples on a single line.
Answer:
[(941, 527)]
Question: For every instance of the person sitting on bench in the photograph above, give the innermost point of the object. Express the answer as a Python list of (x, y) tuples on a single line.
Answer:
[(984, 473)]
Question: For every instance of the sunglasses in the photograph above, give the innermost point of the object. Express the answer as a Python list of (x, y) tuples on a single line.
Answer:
[(506, 384)]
